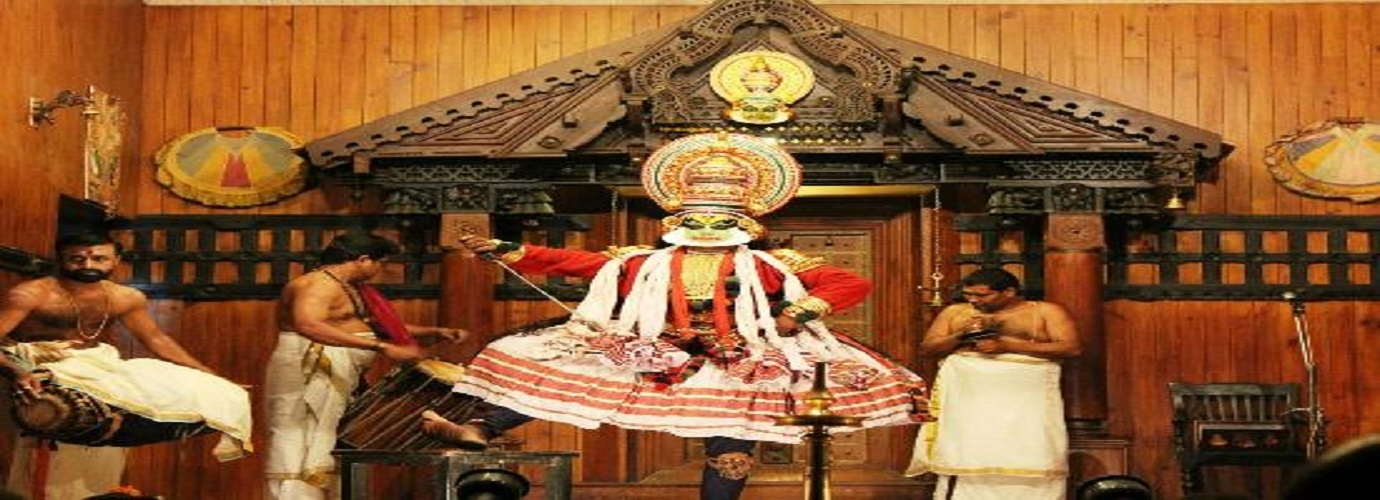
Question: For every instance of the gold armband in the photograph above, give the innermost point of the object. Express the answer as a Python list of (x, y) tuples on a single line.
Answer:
[(815, 305), (793, 311), (613, 252)]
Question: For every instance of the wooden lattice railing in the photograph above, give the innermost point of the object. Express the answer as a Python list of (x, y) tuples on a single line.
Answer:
[(1202, 257)]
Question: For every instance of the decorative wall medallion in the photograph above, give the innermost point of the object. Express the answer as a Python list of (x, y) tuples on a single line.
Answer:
[(1072, 232), (1337, 158), (233, 167), (760, 85)]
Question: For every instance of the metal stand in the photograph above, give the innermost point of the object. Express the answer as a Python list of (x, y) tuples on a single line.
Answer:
[(819, 419), (1317, 423), (450, 465)]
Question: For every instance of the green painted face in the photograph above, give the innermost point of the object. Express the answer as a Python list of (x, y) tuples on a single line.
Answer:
[(709, 229)]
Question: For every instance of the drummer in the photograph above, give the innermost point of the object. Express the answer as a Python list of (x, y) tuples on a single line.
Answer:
[(331, 325), (65, 325)]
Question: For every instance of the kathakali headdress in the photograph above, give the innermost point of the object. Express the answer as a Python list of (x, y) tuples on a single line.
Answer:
[(715, 184)]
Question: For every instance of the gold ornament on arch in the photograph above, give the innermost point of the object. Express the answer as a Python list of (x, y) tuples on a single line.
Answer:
[(761, 85)]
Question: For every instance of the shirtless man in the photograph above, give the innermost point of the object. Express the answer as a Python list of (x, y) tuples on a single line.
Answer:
[(322, 320), (993, 302), (76, 308), (996, 398), (62, 326)]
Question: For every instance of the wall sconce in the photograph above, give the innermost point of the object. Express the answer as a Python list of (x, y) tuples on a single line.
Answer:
[(41, 112)]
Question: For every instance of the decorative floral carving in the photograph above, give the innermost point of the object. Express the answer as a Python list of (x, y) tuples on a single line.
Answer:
[(1078, 232)]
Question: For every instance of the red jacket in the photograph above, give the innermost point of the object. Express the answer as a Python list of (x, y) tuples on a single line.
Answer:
[(841, 288)]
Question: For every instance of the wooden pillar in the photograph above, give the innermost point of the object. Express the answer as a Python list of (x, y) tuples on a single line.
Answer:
[(467, 285), (1074, 247)]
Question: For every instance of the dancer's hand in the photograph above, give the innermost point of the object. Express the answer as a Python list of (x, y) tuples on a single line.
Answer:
[(478, 245), (787, 326)]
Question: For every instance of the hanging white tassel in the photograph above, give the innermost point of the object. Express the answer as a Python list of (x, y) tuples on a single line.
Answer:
[(790, 350), (598, 304), (644, 309), (748, 315), (653, 300), (814, 337)]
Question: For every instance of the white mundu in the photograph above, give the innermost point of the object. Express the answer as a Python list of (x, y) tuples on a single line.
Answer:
[(999, 429), (307, 389)]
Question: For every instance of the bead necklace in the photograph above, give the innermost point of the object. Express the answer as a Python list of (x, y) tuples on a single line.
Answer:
[(76, 311), (351, 291)]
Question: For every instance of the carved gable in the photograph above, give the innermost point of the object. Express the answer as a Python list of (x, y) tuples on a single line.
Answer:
[(900, 111)]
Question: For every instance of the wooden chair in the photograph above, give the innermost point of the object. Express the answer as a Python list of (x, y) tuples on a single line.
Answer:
[(1236, 424)]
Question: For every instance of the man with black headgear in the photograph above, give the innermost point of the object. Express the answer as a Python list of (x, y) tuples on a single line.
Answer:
[(56, 334)]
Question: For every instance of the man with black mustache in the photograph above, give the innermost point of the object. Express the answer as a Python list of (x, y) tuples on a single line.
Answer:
[(999, 416), (61, 329)]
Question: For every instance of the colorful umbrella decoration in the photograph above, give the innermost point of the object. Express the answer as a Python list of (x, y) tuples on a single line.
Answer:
[(233, 167)]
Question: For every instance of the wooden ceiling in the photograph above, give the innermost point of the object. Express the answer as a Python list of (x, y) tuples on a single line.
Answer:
[(695, 2)]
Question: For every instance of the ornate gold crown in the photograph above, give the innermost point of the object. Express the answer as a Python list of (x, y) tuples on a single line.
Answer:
[(721, 172)]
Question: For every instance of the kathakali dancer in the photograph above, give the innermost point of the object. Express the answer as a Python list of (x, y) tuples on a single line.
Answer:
[(704, 338)]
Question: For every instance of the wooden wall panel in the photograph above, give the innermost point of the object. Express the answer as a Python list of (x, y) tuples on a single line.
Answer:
[(47, 48), (1251, 72), (1207, 79), (1152, 344)]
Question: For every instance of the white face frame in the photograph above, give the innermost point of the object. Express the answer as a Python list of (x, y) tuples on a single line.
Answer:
[(707, 230)]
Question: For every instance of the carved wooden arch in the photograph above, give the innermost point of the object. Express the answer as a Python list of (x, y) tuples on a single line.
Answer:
[(885, 110)]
